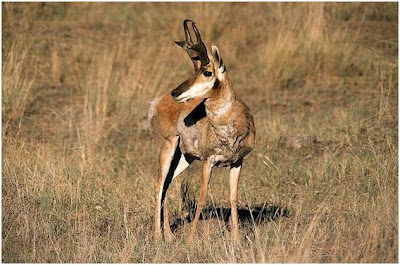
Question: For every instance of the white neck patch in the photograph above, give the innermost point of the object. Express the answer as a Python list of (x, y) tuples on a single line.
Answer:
[(221, 110)]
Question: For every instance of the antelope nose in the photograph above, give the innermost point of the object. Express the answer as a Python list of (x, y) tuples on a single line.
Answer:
[(174, 93)]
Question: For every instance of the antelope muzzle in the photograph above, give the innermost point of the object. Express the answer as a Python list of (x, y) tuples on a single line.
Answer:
[(178, 93)]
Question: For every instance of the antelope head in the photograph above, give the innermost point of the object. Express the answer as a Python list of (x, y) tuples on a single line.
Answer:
[(209, 69)]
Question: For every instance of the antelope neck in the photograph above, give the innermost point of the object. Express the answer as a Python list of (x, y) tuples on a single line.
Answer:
[(221, 101)]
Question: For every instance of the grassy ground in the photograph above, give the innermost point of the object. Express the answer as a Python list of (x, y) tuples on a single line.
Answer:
[(78, 162)]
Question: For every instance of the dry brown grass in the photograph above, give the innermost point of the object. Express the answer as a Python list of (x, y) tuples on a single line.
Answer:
[(79, 164)]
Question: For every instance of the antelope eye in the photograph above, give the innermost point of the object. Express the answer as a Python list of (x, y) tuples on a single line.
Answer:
[(207, 73)]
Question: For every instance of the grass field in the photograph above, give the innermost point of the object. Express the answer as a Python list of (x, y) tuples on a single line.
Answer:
[(79, 165)]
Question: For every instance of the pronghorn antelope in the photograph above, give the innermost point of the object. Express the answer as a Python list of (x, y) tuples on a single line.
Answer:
[(201, 119)]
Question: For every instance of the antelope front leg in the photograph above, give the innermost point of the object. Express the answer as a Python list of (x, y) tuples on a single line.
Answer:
[(205, 177), (167, 229), (233, 183), (166, 155), (183, 163)]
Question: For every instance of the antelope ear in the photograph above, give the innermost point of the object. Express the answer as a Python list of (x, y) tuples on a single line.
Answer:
[(217, 56)]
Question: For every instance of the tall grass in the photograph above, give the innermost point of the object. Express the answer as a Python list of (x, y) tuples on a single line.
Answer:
[(19, 76), (78, 170)]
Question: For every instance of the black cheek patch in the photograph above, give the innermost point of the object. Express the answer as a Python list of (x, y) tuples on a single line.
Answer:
[(216, 84)]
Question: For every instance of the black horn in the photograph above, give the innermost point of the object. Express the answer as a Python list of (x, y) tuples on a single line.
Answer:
[(188, 37), (196, 31), (197, 51)]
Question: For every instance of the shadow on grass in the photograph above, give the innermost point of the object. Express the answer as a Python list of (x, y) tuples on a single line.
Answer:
[(253, 215)]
